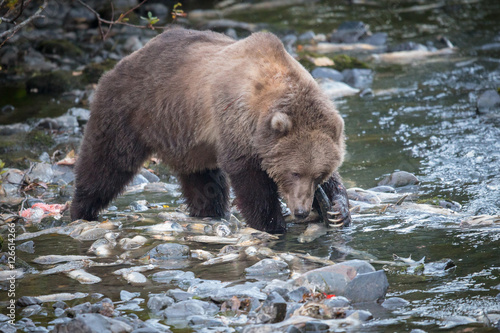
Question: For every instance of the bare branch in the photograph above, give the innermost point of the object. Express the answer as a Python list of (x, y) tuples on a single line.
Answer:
[(100, 20), (9, 33)]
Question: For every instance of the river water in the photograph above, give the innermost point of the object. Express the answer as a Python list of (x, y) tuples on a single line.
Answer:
[(422, 119)]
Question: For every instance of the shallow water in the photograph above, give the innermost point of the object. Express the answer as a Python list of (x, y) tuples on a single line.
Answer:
[(422, 119)]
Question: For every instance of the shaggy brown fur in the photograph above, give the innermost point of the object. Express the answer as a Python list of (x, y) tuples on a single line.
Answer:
[(212, 107)]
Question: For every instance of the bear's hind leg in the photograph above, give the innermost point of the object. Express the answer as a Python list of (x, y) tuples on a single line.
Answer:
[(206, 193), (105, 165), (258, 199)]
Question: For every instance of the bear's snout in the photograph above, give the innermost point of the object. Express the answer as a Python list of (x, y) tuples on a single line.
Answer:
[(301, 213)]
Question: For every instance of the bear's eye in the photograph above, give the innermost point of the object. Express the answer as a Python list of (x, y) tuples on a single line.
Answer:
[(296, 175)]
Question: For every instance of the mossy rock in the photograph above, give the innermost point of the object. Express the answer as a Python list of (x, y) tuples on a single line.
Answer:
[(93, 72), (341, 61), (60, 47), (53, 82), (38, 138)]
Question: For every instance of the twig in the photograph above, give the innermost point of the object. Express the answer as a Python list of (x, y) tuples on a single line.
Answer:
[(100, 20), (9, 33), (21, 10)]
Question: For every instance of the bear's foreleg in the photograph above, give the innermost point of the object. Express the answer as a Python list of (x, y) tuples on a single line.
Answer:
[(206, 193), (258, 199), (337, 194)]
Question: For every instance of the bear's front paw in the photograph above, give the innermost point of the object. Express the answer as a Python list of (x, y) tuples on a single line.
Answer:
[(334, 213)]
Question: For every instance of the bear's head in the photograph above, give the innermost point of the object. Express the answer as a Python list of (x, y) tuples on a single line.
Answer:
[(301, 144)]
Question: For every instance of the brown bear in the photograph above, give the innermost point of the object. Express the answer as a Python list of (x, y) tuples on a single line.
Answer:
[(213, 108)]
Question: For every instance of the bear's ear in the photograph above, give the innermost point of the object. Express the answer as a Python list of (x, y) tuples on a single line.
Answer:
[(281, 123)]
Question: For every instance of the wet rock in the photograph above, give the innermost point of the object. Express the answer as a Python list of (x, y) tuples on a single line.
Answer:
[(169, 251), (28, 247), (333, 279), (488, 102), (377, 39), (93, 323), (14, 129), (138, 180), (11, 179), (156, 303), (42, 172), (399, 179), (160, 187), (383, 189), (78, 18), (179, 295), (35, 61), (198, 321), (31, 310), (62, 174), (248, 289), (60, 305), (172, 276), (268, 269), (360, 315), (62, 122), (337, 302), (453, 205), (334, 89), (151, 177), (454, 321), (367, 287), (359, 78), (329, 73), (307, 36), (349, 32), (297, 295), (132, 305), (24, 301), (206, 288), (366, 93), (9, 55), (132, 44), (81, 115), (394, 303), (407, 46), (127, 296), (190, 307)]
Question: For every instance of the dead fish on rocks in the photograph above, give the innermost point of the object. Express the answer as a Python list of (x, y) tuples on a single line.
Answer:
[(135, 278), (9, 274), (201, 255), (166, 226), (312, 232), (61, 297), (74, 230), (103, 247), (143, 268), (55, 258), (481, 221), (83, 277), (212, 239), (221, 259), (67, 267), (132, 243), (408, 57), (199, 228)]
